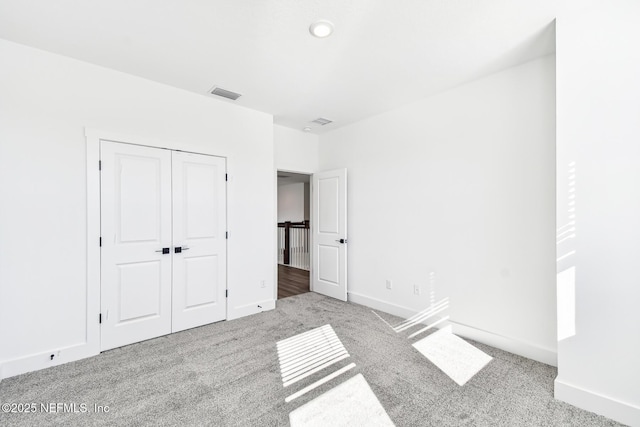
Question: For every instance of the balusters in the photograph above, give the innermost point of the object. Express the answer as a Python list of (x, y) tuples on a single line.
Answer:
[(294, 244)]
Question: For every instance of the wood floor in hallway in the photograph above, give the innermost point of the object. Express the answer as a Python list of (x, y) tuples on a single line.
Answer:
[(292, 281)]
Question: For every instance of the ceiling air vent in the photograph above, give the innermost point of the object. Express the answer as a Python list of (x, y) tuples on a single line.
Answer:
[(225, 93), (321, 121)]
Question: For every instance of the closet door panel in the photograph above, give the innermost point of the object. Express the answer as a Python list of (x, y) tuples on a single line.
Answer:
[(199, 237), (135, 227)]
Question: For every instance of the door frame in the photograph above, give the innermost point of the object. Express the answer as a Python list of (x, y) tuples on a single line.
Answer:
[(93, 138), (275, 249)]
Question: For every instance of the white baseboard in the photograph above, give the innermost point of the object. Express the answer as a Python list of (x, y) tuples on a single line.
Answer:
[(252, 308), (42, 360), (386, 307), (38, 361), (511, 345), (622, 412)]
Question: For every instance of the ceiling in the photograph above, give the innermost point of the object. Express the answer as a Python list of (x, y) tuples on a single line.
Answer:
[(382, 54)]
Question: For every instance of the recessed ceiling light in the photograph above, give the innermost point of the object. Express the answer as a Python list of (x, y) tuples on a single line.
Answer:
[(321, 28), (307, 129)]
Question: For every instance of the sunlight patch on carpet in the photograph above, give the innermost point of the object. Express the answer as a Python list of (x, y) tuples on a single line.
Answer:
[(307, 353), (352, 403), (453, 355), (318, 383)]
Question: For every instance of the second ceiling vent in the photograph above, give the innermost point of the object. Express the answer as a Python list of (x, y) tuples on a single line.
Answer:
[(322, 121), (225, 93)]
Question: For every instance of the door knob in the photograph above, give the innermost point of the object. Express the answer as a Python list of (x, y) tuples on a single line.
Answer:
[(343, 241), (179, 249), (165, 250)]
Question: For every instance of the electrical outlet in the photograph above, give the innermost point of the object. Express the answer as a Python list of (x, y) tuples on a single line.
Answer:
[(389, 284), (263, 284), (416, 289)]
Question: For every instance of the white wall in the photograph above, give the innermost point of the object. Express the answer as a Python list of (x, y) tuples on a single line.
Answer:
[(291, 202), (46, 101), (598, 76), (455, 193), (295, 151)]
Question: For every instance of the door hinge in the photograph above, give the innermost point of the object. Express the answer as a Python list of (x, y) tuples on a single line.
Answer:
[(226, 177), (226, 293), (100, 318), (226, 234), (100, 241), (99, 165)]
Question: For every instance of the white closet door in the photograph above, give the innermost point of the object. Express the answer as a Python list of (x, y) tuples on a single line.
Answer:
[(199, 239), (135, 227)]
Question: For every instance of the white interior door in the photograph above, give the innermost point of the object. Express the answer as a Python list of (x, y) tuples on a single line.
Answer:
[(135, 227), (199, 239), (329, 224)]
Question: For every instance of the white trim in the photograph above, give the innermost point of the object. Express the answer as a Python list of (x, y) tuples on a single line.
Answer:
[(511, 345), (384, 306), (42, 360), (310, 175), (98, 134), (311, 232), (93, 241), (251, 308), (274, 291), (609, 407)]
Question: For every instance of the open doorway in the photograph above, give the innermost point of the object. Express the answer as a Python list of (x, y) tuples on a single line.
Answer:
[(294, 237)]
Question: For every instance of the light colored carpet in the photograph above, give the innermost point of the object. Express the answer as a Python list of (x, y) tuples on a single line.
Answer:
[(228, 374), (349, 404)]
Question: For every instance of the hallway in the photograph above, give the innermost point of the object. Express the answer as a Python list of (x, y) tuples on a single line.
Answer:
[(292, 281)]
